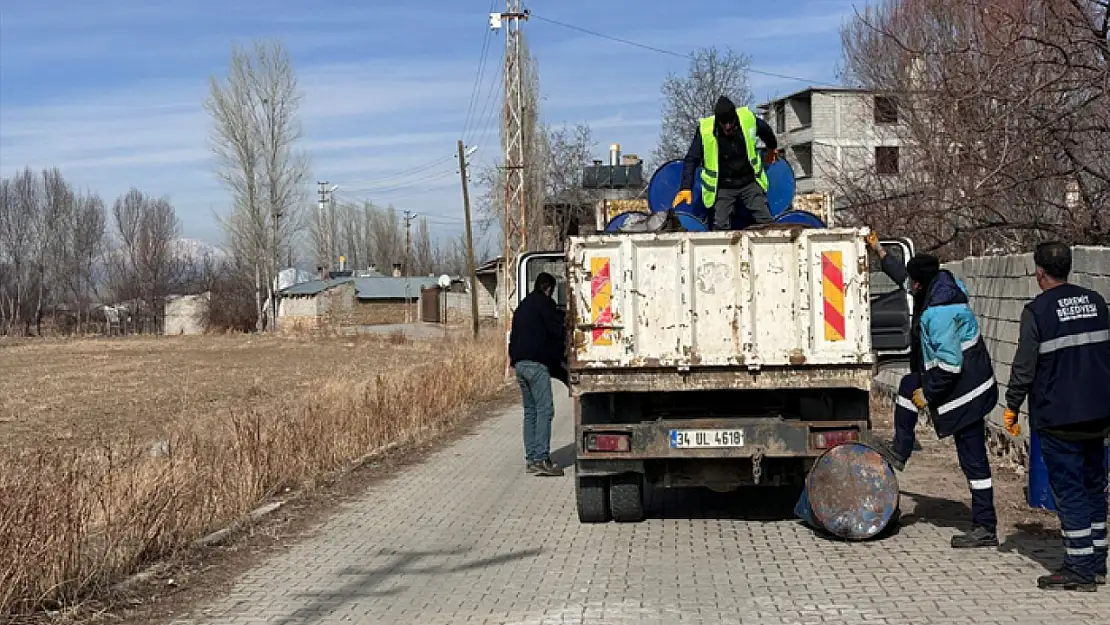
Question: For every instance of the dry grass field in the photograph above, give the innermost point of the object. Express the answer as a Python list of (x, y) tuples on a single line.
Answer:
[(119, 452), (75, 391)]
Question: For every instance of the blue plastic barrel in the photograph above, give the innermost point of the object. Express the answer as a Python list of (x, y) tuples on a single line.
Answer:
[(666, 183), (615, 223), (804, 218), (780, 186), (850, 492), (1039, 491)]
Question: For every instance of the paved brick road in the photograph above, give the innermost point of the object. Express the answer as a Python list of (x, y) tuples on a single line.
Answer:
[(469, 538)]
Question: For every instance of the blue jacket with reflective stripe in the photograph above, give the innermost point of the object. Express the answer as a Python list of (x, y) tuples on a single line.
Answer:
[(1072, 380), (958, 377)]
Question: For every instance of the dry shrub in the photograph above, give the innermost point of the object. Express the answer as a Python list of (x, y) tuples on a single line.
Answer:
[(75, 521)]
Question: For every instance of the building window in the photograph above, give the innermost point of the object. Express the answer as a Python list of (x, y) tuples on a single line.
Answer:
[(780, 117), (803, 159), (886, 160), (886, 110)]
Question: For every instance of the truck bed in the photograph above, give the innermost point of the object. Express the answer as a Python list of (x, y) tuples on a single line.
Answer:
[(773, 297)]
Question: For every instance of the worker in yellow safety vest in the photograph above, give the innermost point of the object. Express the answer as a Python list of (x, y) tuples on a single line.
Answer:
[(732, 171)]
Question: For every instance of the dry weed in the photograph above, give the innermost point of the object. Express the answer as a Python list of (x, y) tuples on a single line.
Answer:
[(73, 521)]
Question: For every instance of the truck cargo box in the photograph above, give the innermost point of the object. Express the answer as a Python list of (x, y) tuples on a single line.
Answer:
[(751, 299)]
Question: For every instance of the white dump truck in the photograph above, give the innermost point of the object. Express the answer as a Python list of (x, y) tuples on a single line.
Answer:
[(717, 359)]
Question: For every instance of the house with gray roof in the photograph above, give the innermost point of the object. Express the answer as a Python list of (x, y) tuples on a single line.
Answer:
[(353, 301)]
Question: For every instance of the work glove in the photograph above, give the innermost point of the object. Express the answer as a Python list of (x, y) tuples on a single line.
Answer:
[(1010, 419), (684, 196), (873, 240), (919, 399), (770, 156)]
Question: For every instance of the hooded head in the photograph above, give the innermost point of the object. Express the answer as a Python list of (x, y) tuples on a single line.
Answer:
[(725, 114), (923, 269)]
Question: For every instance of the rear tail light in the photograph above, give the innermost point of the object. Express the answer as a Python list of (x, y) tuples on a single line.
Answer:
[(607, 442), (831, 438)]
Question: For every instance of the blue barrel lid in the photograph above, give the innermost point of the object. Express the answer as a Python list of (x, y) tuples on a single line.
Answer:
[(804, 218), (691, 222)]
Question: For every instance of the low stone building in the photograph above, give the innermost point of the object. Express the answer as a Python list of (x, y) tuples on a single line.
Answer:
[(491, 278), (351, 301), (186, 314)]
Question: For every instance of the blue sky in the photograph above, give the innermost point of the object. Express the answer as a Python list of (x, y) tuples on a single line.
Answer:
[(111, 91)]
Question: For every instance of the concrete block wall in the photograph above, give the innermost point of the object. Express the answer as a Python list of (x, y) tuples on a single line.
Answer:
[(1000, 287)]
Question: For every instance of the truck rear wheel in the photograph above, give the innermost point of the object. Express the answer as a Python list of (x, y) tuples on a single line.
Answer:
[(592, 494), (626, 498)]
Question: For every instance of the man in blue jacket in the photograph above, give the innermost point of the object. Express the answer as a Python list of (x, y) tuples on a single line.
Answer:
[(954, 382), (536, 348), (1062, 365)]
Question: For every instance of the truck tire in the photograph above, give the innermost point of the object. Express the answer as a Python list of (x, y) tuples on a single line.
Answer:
[(626, 498), (592, 494)]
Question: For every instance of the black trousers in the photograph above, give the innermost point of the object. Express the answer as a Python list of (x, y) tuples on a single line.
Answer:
[(971, 450), (751, 198)]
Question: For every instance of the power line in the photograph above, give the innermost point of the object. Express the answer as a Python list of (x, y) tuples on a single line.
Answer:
[(402, 181), (475, 94), (434, 218), (489, 110), (680, 55)]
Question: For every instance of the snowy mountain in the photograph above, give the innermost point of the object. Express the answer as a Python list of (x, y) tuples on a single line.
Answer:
[(194, 250)]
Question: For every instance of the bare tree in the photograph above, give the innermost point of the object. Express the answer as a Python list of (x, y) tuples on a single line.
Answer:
[(1003, 113), (423, 251), (255, 129), (569, 151), (22, 199), (687, 98), (13, 246), (146, 263), (88, 245)]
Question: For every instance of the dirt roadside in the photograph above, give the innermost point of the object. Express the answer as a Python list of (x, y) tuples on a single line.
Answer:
[(935, 491), (201, 574)]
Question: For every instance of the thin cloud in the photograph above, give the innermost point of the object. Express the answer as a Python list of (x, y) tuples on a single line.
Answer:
[(384, 127)]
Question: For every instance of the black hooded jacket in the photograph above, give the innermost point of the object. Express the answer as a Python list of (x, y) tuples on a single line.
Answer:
[(537, 332)]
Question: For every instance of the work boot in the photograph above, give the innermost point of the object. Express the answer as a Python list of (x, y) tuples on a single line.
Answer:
[(547, 468), (886, 450), (977, 537), (1065, 579), (530, 467)]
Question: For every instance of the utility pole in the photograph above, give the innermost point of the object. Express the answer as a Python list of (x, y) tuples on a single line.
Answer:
[(469, 243), (409, 216), (515, 223), (322, 211)]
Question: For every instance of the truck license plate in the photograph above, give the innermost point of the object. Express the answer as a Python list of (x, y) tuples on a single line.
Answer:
[(684, 439)]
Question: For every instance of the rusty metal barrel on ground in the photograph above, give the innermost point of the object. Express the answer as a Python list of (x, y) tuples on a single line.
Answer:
[(851, 492)]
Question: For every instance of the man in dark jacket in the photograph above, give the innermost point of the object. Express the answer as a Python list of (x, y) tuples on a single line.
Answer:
[(732, 171), (1062, 365), (953, 379), (536, 346)]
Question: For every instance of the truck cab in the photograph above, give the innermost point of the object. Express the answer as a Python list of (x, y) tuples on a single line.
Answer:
[(710, 359)]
